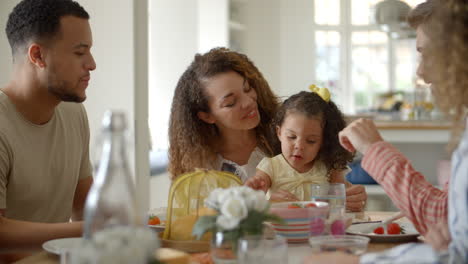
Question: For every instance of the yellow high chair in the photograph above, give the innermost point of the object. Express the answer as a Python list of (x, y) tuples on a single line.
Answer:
[(186, 203)]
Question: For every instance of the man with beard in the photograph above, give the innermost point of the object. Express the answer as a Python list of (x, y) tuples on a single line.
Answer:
[(45, 171)]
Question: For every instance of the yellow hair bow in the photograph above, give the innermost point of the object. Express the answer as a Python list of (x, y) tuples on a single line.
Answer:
[(322, 92)]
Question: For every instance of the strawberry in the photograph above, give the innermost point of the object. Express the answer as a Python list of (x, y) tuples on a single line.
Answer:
[(379, 230), (294, 205), (393, 229), (311, 205)]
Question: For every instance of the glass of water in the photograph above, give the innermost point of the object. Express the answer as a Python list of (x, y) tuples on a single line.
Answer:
[(332, 193), (262, 250), (335, 195)]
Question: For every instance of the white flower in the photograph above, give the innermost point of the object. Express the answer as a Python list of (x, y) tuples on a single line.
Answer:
[(227, 223), (234, 207), (261, 203), (212, 200)]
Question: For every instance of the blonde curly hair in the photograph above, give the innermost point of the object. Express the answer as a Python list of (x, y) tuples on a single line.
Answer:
[(192, 142), (447, 57)]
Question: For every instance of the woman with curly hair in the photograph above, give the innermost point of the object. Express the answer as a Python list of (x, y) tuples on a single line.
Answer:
[(222, 119), (221, 116), (307, 126), (444, 60)]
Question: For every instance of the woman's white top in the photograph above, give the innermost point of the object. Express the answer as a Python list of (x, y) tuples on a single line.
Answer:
[(244, 171)]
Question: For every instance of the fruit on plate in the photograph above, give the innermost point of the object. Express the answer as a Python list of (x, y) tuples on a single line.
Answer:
[(154, 220), (298, 205), (379, 230), (294, 205), (394, 229)]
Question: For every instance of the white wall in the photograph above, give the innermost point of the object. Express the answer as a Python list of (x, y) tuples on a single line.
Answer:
[(297, 46), (173, 42), (278, 42), (262, 38), (212, 33), (112, 82), (5, 52)]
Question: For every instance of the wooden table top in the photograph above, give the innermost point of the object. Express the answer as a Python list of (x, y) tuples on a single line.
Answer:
[(299, 251)]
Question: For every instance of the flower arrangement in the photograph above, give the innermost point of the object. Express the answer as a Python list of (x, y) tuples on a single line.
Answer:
[(241, 211)]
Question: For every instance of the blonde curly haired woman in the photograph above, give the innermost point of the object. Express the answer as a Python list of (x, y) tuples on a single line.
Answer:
[(445, 61)]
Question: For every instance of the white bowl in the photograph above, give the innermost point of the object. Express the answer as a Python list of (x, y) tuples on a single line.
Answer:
[(355, 245)]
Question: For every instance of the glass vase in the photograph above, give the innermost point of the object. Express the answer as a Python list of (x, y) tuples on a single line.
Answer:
[(223, 248)]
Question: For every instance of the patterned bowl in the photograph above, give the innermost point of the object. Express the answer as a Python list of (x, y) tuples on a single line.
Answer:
[(300, 222)]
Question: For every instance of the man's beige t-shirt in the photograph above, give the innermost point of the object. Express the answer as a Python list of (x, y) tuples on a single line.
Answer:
[(40, 165)]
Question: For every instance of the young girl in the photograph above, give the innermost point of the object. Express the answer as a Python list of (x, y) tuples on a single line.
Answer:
[(307, 126)]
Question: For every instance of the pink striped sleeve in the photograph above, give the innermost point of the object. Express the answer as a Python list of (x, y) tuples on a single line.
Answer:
[(421, 202)]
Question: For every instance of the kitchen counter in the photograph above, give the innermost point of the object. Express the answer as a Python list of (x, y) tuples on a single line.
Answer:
[(414, 131), (413, 124), (423, 142)]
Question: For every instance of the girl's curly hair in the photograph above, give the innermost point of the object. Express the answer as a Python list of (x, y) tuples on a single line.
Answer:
[(312, 105), (447, 56), (192, 142)]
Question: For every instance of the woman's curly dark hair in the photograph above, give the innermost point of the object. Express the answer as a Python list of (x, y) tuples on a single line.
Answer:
[(192, 142), (312, 105)]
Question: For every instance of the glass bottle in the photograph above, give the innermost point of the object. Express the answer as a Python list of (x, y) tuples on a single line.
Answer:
[(111, 199)]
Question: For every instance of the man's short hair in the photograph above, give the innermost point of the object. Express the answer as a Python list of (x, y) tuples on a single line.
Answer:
[(38, 20), (421, 13)]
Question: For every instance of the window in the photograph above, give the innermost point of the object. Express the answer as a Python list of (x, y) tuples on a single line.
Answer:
[(355, 59)]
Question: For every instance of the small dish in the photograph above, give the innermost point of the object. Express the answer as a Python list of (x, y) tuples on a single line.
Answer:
[(355, 245)]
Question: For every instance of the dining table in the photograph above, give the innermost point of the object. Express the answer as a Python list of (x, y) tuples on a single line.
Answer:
[(296, 252)]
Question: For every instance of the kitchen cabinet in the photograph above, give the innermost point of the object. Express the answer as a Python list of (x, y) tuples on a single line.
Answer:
[(430, 132)]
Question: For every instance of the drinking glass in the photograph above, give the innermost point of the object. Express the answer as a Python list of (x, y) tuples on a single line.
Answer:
[(222, 249), (262, 250), (332, 193), (335, 195)]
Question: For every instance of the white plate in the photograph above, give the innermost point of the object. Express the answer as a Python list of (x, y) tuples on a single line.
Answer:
[(157, 228), (411, 233), (57, 246)]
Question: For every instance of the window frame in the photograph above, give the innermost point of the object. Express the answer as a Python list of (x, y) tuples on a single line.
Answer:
[(345, 28)]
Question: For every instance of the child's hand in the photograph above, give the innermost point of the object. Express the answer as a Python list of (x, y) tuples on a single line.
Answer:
[(258, 182), (283, 196)]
